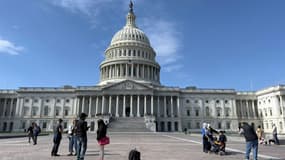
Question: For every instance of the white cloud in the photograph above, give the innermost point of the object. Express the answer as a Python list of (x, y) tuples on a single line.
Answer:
[(9, 47), (172, 67), (165, 39)]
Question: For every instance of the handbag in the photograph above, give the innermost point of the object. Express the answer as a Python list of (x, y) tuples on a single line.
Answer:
[(104, 140)]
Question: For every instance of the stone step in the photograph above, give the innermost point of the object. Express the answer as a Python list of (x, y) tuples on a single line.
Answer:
[(128, 124)]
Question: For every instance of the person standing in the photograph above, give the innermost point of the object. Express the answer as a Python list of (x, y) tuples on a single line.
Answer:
[(204, 137), (101, 136), (260, 134), (81, 134), (57, 138), (30, 132), (274, 133), (251, 140), (72, 137)]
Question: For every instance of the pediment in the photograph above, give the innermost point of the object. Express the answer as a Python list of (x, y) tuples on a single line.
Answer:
[(128, 85)]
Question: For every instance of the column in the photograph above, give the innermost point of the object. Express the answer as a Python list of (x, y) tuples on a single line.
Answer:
[(131, 105), (124, 106), (145, 111), (110, 72), (21, 106), (90, 106), (121, 70), (132, 70), (76, 110), (138, 68), (117, 106), (83, 105), (4, 109), (151, 105), (253, 109), (178, 107), (103, 104), (158, 107), (138, 106), (31, 107), (143, 71), (126, 70), (53, 108), (165, 107), (247, 108), (110, 105), (41, 106), (171, 106), (234, 108), (97, 105), (17, 107), (11, 107), (281, 104)]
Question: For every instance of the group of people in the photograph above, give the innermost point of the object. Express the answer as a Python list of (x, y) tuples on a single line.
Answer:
[(253, 138), (77, 134), (262, 139), (210, 142), (33, 131)]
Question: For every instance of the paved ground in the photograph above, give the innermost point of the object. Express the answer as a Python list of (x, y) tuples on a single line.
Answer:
[(153, 146)]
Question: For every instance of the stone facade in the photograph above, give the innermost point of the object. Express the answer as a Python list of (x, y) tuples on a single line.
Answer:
[(130, 87)]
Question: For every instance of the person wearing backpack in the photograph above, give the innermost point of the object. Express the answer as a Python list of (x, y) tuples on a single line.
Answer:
[(81, 134), (101, 137)]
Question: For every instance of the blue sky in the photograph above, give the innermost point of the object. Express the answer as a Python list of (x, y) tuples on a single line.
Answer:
[(232, 44)]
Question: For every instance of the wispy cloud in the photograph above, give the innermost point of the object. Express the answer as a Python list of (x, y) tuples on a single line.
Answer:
[(166, 41), (89, 8), (9, 47)]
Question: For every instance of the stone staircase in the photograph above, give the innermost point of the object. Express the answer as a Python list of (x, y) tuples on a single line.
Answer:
[(127, 124)]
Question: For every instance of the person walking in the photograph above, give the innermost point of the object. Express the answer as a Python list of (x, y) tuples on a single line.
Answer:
[(274, 133), (101, 137), (30, 132), (57, 138), (81, 134), (72, 138), (36, 132), (251, 140)]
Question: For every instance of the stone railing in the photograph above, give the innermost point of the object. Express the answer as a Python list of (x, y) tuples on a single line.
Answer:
[(150, 122)]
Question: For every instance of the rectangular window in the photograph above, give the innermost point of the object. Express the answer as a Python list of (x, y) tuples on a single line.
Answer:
[(228, 125), (66, 112), (57, 112), (219, 125), (218, 112), (197, 125), (44, 124), (227, 112), (188, 112), (197, 112), (23, 125), (65, 125)]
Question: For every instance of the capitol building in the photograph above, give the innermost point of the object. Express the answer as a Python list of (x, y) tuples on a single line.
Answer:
[(130, 97)]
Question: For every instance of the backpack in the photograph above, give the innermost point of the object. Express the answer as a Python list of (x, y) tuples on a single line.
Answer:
[(134, 155)]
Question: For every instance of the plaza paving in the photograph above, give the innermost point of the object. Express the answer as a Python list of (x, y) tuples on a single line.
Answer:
[(153, 146)]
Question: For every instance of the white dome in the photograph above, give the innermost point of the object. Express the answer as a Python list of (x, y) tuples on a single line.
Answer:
[(130, 33)]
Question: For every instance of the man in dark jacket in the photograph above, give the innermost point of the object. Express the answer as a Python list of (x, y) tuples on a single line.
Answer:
[(81, 133), (251, 140), (57, 138)]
